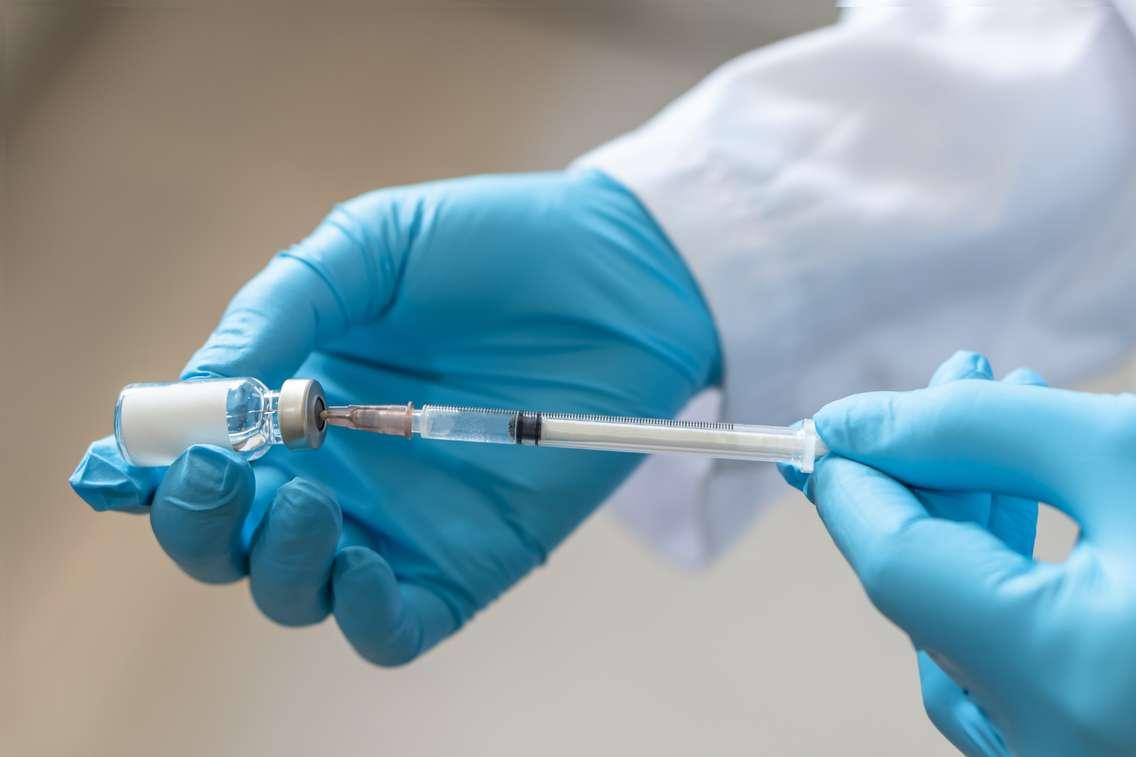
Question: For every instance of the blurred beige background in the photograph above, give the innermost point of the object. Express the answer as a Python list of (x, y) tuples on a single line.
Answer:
[(157, 153)]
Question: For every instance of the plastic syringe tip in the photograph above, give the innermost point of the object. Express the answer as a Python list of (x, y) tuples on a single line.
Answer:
[(339, 416)]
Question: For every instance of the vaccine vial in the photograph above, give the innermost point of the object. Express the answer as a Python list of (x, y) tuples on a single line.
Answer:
[(154, 423)]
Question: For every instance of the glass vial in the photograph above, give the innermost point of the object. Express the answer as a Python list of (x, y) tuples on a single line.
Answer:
[(154, 423)]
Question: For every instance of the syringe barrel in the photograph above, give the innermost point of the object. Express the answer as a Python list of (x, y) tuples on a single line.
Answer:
[(466, 424), (795, 445)]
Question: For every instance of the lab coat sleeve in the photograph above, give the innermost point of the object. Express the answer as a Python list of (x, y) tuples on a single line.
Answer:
[(859, 202)]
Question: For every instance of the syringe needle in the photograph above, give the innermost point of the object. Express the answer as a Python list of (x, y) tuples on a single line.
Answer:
[(380, 419), (341, 415)]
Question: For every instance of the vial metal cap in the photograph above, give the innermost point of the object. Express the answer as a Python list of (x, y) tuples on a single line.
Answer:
[(299, 409)]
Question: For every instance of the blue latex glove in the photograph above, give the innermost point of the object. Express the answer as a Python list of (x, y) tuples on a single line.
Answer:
[(1011, 519), (553, 291), (1038, 657)]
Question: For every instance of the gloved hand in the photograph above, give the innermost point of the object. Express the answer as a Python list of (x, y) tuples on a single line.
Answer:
[(1041, 653), (553, 291), (1011, 519)]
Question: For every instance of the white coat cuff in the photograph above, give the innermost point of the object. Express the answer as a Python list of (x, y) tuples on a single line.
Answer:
[(859, 202)]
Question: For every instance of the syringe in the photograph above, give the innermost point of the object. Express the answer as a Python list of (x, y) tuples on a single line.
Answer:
[(797, 445)]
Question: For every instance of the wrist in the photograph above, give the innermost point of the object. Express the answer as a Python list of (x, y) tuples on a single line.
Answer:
[(618, 206)]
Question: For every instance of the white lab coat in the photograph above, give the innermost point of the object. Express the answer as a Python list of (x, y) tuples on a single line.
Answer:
[(858, 202)]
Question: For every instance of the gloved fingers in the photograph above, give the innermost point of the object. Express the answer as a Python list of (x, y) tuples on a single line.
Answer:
[(1014, 519), (387, 622), (950, 709), (968, 506), (1025, 441), (198, 512), (107, 482), (292, 553), (964, 507), (793, 476), (956, 715), (961, 506), (1024, 377), (338, 277), (939, 580), (964, 364)]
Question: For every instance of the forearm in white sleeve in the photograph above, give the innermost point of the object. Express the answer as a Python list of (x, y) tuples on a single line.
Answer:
[(858, 202)]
